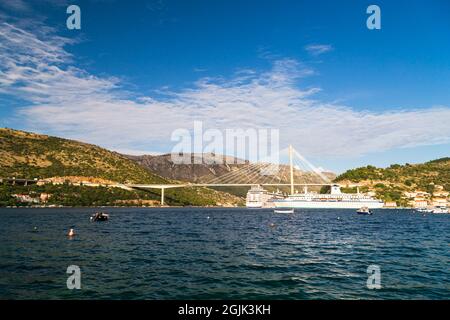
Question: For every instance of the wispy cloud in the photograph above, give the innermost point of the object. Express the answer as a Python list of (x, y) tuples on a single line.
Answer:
[(15, 5), (24, 6), (66, 100), (318, 49)]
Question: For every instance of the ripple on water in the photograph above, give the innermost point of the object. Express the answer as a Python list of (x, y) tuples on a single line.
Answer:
[(180, 253)]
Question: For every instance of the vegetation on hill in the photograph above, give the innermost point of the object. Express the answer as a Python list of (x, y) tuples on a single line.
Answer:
[(28, 155), (409, 175), (70, 195), (390, 183)]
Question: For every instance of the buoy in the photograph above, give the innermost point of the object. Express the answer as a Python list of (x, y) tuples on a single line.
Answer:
[(71, 233)]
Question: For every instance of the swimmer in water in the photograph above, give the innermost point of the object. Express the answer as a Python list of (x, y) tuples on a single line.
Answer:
[(71, 233)]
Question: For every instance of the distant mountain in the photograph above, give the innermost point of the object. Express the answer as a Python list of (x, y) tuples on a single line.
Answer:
[(29, 155), (164, 166), (203, 172)]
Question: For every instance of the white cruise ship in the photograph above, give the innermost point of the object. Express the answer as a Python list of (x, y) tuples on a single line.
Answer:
[(258, 197), (334, 200)]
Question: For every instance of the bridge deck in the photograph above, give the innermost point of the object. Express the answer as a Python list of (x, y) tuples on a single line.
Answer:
[(168, 186)]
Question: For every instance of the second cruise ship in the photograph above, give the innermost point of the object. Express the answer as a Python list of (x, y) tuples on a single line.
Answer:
[(333, 200)]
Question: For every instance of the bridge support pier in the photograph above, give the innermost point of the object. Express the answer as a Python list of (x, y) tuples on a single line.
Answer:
[(162, 196)]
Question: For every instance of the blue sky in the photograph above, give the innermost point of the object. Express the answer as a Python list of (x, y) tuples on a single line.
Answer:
[(349, 96)]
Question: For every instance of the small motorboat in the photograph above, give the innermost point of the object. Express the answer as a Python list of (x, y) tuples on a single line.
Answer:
[(425, 210), (440, 210), (283, 211), (99, 216), (364, 210)]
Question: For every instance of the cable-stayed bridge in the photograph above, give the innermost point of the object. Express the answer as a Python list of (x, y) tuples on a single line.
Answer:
[(263, 173), (298, 173)]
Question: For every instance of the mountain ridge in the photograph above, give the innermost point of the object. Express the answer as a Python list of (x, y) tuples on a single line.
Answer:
[(205, 171)]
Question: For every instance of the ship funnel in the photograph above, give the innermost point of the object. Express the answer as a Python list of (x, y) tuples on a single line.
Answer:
[(336, 189)]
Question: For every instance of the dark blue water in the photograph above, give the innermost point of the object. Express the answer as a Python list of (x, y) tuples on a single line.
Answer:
[(235, 254)]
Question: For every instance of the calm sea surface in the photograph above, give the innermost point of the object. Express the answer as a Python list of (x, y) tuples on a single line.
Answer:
[(193, 253)]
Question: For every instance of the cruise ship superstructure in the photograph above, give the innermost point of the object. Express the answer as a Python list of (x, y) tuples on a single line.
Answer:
[(258, 197), (334, 200)]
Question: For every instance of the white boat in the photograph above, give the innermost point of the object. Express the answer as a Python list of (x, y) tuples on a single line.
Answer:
[(440, 210), (424, 210), (283, 211), (364, 210)]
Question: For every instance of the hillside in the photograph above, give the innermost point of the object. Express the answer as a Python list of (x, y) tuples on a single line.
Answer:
[(163, 166), (409, 175), (28, 155), (391, 183)]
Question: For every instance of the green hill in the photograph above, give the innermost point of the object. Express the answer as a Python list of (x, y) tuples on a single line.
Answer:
[(28, 155), (410, 175), (390, 183)]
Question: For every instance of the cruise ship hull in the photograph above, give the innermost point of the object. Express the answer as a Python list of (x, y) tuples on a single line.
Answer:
[(327, 204)]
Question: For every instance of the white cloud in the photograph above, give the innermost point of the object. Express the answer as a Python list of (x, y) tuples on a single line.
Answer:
[(15, 5), (318, 49), (26, 9), (66, 100)]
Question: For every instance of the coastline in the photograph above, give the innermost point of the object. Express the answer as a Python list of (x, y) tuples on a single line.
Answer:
[(169, 207), (118, 207)]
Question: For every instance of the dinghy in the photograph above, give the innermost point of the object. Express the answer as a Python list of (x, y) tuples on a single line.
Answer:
[(100, 216), (283, 211), (364, 210)]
